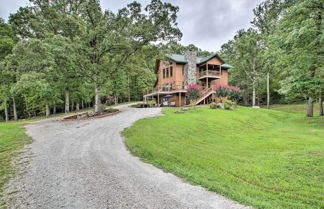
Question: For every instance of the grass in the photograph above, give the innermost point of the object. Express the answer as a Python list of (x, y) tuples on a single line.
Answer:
[(12, 139), (264, 158)]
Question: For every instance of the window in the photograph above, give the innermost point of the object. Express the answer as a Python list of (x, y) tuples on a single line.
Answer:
[(171, 71), (183, 67), (167, 73), (163, 73)]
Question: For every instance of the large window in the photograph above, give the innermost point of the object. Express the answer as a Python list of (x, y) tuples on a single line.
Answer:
[(167, 69)]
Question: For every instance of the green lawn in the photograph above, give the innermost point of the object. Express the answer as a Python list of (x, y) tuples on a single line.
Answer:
[(264, 158), (12, 139)]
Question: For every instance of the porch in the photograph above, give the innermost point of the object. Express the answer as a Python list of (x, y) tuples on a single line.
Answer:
[(174, 95)]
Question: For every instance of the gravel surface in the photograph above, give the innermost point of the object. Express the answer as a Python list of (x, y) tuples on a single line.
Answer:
[(85, 164)]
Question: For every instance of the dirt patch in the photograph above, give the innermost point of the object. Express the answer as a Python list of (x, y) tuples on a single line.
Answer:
[(316, 154), (99, 115)]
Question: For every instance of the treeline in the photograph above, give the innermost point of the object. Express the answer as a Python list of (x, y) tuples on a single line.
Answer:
[(59, 56), (280, 58)]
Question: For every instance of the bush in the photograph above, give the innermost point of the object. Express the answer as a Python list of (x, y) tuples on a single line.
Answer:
[(110, 110), (229, 105), (214, 105), (232, 92), (193, 91)]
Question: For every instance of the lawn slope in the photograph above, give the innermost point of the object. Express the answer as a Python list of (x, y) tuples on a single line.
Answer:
[(264, 158)]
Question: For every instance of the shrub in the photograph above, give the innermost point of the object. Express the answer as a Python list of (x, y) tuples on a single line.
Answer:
[(110, 110), (232, 92), (214, 105), (193, 92), (229, 105)]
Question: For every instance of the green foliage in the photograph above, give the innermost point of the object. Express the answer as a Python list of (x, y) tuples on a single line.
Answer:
[(73, 47), (263, 158), (235, 95), (214, 105), (298, 44), (229, 105), (222, 92)]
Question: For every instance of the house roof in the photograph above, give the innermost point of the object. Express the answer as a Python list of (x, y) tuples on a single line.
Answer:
[(181, 59), (227, 66)]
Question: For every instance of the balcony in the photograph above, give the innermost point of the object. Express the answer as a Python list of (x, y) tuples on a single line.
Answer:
[(209, 74), (166, 90)]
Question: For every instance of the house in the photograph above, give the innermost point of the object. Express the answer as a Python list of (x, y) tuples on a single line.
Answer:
[(177, 71)]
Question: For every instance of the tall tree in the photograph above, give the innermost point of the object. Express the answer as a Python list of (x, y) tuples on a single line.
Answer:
[(112, 38), (245, 53), (298, 40), (266, 16)]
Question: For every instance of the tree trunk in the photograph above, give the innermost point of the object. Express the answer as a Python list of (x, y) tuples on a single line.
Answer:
[(321, 106), (72, 106), (67, 101), (82, 104), (77, 106), (14, 108), (116, 100), (97, 100), (268, 90), (310, 107), (253, 95), (54, 108), (6, 111), (47, 110), (128, 91)]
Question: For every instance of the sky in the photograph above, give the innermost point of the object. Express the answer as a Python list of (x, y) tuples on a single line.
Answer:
[(205, 23)]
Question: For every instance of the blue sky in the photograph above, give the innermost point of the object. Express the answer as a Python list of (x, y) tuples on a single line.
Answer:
[(206, 23)]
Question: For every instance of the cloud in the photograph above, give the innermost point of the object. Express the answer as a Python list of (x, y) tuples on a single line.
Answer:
[(205, 23), (210, 23), (10, 6)]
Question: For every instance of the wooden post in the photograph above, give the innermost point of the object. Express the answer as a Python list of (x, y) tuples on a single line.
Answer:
[(158, 96), (207, 69), (207, 84), (179, 99), (220, 70)]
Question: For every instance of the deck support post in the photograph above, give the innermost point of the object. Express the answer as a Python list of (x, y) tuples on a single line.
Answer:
[(179, 99)]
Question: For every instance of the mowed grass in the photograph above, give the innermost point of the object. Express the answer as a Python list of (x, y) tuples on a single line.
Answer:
[(12, 139), (264, 158)]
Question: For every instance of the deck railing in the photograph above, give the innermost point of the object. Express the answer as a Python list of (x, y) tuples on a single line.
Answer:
[(167, 88), (209, 73)]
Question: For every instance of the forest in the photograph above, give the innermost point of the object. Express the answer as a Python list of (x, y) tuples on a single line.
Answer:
[(62, 56)]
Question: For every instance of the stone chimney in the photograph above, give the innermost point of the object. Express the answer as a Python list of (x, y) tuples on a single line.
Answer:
[(190, 67)]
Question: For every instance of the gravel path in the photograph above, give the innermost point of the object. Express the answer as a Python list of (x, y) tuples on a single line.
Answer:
[(85, 164)]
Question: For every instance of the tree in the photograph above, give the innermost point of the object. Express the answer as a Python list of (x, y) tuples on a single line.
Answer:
[(7, 41), (298, 40), (266, 16), (245, 53), (112, 38)]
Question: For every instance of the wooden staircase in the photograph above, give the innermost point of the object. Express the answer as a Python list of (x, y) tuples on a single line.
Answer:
[(204, 94)]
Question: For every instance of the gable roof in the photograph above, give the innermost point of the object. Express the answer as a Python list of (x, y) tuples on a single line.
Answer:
[(181, 59)]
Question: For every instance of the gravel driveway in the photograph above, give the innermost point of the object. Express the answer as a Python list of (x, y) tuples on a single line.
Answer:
[(85, 164)]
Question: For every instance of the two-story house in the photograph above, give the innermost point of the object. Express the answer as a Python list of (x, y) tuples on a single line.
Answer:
[(176, 71)]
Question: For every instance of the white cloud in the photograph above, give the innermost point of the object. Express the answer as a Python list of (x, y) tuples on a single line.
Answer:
[(206, 23)]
